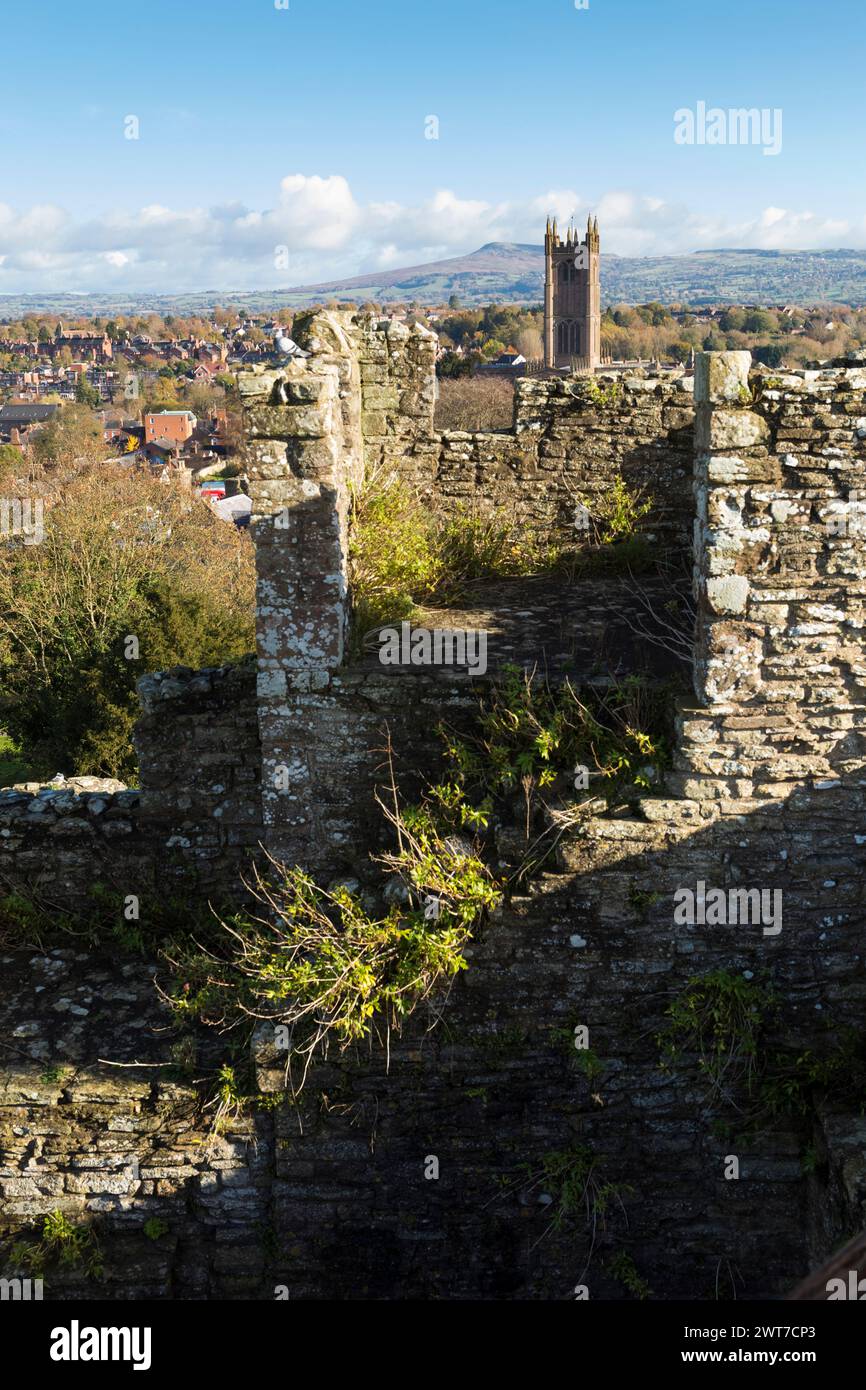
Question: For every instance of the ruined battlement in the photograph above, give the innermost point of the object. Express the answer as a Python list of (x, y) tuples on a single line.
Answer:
[(780, 565), (757, 481), (757, 477), (761, 471), (187, 831)]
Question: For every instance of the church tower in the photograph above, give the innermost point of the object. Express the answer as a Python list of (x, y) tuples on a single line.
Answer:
[(572, 296)]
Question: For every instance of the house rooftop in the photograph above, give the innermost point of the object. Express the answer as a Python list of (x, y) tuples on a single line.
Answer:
[(26, 414)]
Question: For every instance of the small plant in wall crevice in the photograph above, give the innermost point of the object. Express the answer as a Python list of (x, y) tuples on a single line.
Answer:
[(573, 1189), (61, 1244), (728, 1025), (622, 1267)]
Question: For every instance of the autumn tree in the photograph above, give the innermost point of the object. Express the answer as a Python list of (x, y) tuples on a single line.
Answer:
[(70, 440), (132, 575), (86, 394), (529, 342)]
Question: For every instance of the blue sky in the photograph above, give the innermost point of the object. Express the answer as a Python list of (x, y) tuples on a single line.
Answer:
[(279, 146)]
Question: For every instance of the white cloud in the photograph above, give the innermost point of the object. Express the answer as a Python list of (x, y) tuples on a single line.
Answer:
[(388, 257), (330, 235)]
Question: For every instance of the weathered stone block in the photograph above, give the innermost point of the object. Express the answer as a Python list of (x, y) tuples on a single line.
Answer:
[(729, 594), (718, 429), (722, 377)]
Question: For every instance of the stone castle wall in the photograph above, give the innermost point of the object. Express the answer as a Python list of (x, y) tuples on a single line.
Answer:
[(330, 1199), (86, 1132), (767, 792), (364, 400), (187, 831), (570, 438), (780, 567)]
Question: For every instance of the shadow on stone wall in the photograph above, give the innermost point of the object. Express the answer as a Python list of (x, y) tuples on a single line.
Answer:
[(331, 1199)]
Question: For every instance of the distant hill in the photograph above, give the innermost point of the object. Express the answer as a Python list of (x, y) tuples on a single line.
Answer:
[(506, 271), (500, 270), (514, 273)]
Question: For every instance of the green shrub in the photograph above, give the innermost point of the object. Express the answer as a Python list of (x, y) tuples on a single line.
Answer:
[(484, 545), (403, 554), (25, 923), (155, 1228), (579, 1190), (61, 1244), (601, 395), (392, 556), (319, 963), (622, 1267), (35, 921), (75, 711), (616, 513), (531, 733), (719, 1016), (14, 765)]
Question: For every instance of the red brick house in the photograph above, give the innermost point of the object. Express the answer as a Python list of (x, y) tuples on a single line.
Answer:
[(173, 427)]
